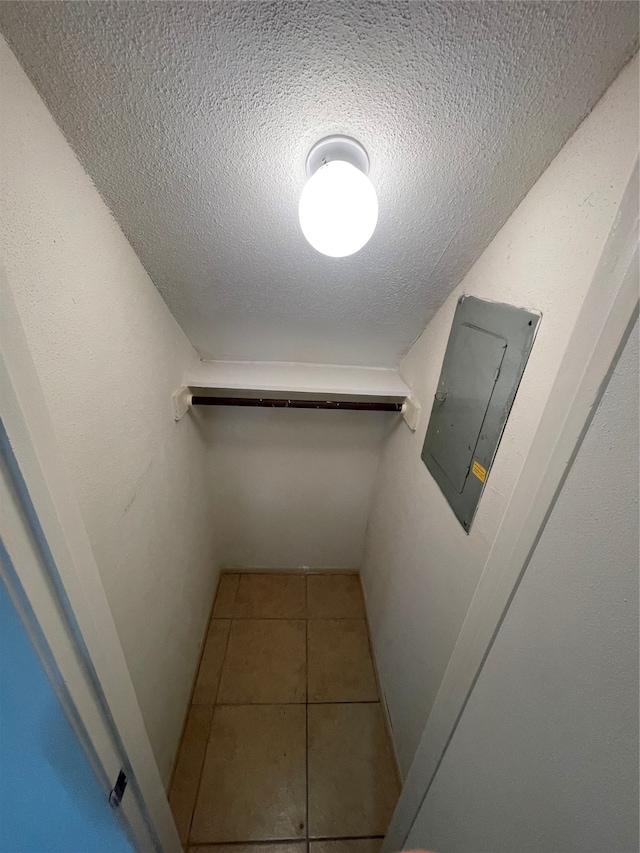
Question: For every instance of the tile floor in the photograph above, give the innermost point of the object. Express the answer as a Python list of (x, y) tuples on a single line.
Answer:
[(285, 742)]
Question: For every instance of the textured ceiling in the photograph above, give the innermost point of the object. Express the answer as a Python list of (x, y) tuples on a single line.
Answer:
[(194, 120)]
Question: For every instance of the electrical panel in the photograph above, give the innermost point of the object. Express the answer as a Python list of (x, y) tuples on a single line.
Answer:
[(488, 348)]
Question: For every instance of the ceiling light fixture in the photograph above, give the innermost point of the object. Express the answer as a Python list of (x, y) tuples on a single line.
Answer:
[(338, 207)]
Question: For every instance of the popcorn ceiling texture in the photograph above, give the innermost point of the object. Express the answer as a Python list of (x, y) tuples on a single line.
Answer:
[(194, 121)]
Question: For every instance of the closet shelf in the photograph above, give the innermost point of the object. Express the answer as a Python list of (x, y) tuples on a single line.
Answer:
[(295, 381)]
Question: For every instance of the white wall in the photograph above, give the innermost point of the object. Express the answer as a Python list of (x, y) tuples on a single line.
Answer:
[(545, 757), (108, 355), (292, 486), (420, 569)]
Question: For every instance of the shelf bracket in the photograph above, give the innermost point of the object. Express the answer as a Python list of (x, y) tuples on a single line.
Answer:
[(181, 401), (411, 413)]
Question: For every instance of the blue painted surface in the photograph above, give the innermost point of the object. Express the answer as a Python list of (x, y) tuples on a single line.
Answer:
[(50, 799)]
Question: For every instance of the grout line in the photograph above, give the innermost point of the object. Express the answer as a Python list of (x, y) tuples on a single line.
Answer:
[(213, 711), (347, 837), (292, 571), (268, 841), (384, 707), (202, 763), (246, 704), (193, 686), (265, 618), (235, 600), (224, 658), (290, 618), (346, 702), (288, 841), (280, 702)]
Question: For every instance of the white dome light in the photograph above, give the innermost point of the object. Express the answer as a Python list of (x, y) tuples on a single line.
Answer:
[(338, 207)]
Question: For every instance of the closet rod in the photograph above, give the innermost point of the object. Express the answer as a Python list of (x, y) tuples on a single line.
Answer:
[(353, 405)]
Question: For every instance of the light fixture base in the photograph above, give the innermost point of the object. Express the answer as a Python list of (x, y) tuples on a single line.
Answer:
[(337, 148)]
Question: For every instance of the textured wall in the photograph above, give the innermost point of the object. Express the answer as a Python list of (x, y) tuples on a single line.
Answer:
[(420, 568), (109, 354), (292, 487), (194, 120), (545, 757)]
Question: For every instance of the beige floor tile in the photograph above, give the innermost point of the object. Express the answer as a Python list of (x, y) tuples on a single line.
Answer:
[(226, 596), (351, 845), (253, 785), (271, 596), (206, 688), (339, 661), (283, 847), (182, 797), (334, 597), (265, 662), (352, 783)]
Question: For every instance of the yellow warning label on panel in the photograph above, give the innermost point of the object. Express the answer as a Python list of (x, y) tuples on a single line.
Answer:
[(479, 471)]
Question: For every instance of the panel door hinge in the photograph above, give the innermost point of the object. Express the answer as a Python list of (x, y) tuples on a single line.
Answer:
[(117, 792)]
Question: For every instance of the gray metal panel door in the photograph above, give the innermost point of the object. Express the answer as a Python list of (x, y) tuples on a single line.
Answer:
[(466, 385), (485, 358)]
